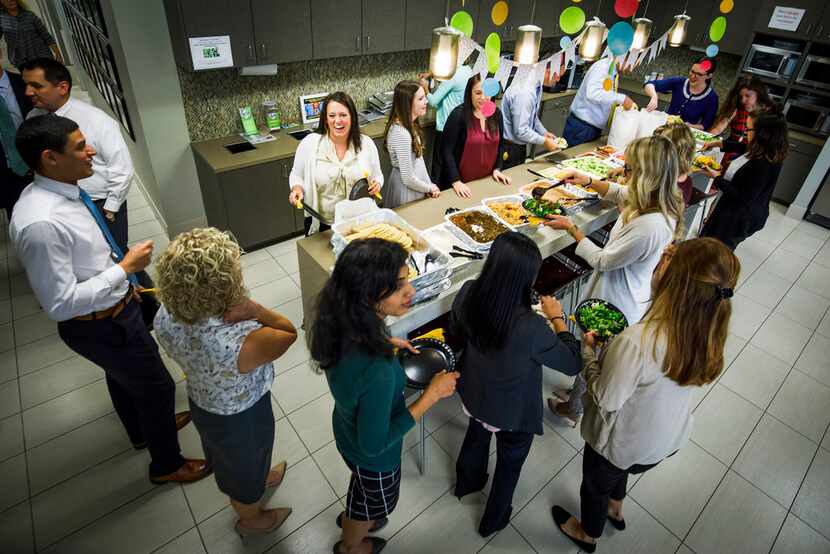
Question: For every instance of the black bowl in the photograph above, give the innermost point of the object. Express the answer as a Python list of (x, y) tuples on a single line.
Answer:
[(433, 357), (601, 301)]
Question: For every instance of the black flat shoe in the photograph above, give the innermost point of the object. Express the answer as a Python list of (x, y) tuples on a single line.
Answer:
[(376, 526), (487, 531), (378, 544), (560, 517), (619, 524)]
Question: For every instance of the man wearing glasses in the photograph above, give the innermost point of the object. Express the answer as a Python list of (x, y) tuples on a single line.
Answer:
[(692, 98)]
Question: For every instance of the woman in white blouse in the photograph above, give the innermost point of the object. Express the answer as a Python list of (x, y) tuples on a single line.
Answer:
[(638, 409), (409, 179), (651, 217), (331, 160)]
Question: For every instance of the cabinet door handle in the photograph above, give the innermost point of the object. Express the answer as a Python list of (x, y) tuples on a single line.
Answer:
[(264, 50), (368, 43), (357, 43), (250, 51), (809, 28), (820, 29)]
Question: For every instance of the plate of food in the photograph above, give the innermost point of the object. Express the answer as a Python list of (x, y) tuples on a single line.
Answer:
[(706, 162), (600, 317), (542, 208), (477, 226), (702, 136), (592, 166), (509, 209)]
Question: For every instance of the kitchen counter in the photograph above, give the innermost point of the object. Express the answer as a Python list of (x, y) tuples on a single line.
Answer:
[(316, 257), (219, 159)]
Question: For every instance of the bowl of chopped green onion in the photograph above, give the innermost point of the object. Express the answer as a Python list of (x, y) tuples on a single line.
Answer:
[(601, 317)]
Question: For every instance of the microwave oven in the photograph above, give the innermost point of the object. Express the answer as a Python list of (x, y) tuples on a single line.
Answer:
[(815, 72), (805, 115), (771, 61)]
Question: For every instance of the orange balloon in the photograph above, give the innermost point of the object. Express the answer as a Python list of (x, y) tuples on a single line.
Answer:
[(607, 84), (499, 13), (726, 6)]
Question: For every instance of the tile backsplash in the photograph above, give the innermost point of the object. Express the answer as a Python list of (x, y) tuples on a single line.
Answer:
[(212, 98)]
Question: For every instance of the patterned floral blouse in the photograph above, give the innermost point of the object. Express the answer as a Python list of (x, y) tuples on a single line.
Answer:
[(208, 352)]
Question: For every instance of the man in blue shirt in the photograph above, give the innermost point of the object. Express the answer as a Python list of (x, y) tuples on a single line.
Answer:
[(692, 98), (14, 173)]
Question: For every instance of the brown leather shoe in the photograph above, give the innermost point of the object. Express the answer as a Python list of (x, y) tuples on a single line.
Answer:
[(182, 419), (191, 470)]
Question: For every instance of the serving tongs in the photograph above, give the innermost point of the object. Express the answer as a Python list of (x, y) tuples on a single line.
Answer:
[(458, 252), (300, 205)]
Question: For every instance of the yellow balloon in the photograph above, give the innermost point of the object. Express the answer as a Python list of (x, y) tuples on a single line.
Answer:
[(499, 13), (607, 84), (726, 6)]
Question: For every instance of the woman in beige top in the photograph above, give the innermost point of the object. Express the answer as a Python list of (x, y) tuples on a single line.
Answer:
[(638, 405)]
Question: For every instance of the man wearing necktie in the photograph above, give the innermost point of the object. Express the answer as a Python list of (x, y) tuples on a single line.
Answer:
[(14, 107), (82, 282)]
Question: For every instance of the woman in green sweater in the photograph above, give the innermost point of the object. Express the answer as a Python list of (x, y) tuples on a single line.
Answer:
[(350, 342)]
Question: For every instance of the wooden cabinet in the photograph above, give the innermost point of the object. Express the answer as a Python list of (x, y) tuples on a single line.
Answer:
[(199, 18), (796, 167), (384, 26), (702, 14), (281, 31), (517, 14), (353, 27), (546, 16), (810, 21), (422, 16), (740, 23)]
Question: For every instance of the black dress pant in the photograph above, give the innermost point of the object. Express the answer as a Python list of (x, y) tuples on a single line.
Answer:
[(512, 448), (602, 480), (516, 155), (11, 185), (119, 227), (142, 391)]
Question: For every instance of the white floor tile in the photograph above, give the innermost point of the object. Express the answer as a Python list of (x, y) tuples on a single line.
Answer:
[(816, 279), (318, 535), (276, 292), (41, 353), (334, 468), (263, 272), (11, 436), (20, 285), (297, 354), (33, 327), (451, 435), (733, 346), (55, 380), (16, 530), (145, 230), (56, 417), (13, 482), (804, 404), (650, 535), (304, 490), (765, 288), (140, 215), (802, 243), (723, 422), (803, 307), (188, 543), (508, 541), (288, 261), (755, 375), (798, 537), (313, 422), (252, 258), (811, 503), (785, 264), (25, 305), (6, 337), (8, 366), (298, 386), (824, 326), (738, 519), (775, 459), (9, 399), (293, 310), (286, 246), (678, 488), (76, 451), (752, 253), (747, 316), (813, 230), (5, 311), (782, 337), (815, 360)]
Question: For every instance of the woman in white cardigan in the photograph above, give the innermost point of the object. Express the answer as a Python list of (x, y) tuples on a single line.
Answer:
[(651, 217), (638, 409), (331, 160)]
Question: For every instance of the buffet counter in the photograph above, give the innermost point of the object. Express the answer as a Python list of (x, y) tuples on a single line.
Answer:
[(316, 257)]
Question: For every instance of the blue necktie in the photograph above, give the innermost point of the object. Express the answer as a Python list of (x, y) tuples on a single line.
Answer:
[(99, 219)]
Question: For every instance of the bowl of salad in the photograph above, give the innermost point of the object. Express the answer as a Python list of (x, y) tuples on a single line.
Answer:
[(541, 208), (601, 317)]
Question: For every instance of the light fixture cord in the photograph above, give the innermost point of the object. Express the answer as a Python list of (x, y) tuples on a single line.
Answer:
[(533, 12), (599, 7), (685, 6), (645, 11)]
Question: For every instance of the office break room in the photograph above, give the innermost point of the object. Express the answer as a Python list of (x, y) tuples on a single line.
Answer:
[(415, 276)]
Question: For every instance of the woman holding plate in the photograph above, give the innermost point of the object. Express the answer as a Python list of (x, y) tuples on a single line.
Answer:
[(651, 217)]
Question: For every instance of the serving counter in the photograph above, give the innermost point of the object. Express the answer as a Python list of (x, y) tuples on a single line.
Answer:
[(316, 257)]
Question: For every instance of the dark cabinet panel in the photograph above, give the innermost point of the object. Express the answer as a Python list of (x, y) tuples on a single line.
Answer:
[(282, 29), (547, 14), (336, 28), (740, 23), (809, 21), (384, 23), (702, 13), (796, 167), (201, 18), (422, 16)]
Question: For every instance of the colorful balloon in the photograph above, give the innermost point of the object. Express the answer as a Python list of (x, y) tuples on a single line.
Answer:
[(488, 108), (706, 66), (726, 6), (712, 50), (463, 22), (490, 87), (571, 20), (565, 42), (492, 48), (499, 13), (626, 8), (620, 37), (607, 84), (717, 29)]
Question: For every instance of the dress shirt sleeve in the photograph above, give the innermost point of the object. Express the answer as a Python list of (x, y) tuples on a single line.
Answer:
[(377, 429), (627, 248), (522, 119), (595, 92), (400, 142), (44, 251), (613, 381), (119, 166)]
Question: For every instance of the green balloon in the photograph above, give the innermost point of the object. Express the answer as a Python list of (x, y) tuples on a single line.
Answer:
[(572, 19), (462, 21), (492, 48), (718, 29)]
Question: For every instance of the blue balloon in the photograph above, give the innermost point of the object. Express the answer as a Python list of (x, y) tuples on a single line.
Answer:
[(712, 50), (564, 42), (490, 87), (620, 37)]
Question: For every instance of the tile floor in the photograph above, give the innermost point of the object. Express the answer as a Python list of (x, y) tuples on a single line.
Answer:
[(754, 478)]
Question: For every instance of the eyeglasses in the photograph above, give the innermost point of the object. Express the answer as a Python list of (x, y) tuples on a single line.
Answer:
[(698, 74)]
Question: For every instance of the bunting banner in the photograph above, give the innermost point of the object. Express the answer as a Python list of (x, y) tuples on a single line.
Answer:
[(503, 73), (480, 66)]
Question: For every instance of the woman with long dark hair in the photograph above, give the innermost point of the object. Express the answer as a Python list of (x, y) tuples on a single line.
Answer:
[(331, 160), (505, 345), (409, 179), (638, 408), (746, 186), (349, 341), (747, 96), (473, 144)]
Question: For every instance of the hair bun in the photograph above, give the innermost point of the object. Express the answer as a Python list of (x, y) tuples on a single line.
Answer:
[(724, 293)]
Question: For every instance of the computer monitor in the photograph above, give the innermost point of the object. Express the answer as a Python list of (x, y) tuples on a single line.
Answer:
[(310, 107)]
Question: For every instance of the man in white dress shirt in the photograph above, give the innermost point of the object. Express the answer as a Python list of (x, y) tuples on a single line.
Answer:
[(49, 85), (70, 266)]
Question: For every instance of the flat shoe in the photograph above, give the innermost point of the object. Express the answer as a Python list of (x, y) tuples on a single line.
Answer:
[(378, 544), (282, 515), (560, 517), (619, 524), (376, 526), (190, 471), (280, 467), (568, 419), (562, 395)]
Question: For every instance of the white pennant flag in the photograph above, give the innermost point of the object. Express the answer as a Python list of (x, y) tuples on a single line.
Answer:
[(556, 63), (480, 66), (663, 41), (642, 56), (503, 72), (569, 55), (605, 53), (465, 49), (523, 75), (539, 72)]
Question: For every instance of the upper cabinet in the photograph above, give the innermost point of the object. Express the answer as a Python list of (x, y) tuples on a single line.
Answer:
[(810, 21), (518, 13), (422, 16), (384, 23), (281, 30), (739, 25), (352, 27)]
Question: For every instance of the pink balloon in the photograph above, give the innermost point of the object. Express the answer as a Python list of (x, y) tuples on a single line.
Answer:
[(706, 65), (488, 108)]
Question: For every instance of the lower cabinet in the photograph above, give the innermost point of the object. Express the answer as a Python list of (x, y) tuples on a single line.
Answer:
[(796, 167)]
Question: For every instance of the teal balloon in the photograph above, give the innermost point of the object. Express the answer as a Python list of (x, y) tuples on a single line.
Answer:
[(490, 87), (620, 37), (712, 50), (564, 42)]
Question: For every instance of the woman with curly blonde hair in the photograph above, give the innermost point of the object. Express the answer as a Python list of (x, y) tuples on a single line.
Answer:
[(226, 344)]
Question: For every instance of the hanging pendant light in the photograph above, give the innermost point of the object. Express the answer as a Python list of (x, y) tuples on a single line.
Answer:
[(642, 31), (593, 36), (443, 55), (677, 33), (528, 40)]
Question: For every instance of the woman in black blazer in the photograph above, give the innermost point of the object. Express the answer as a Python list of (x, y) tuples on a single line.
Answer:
[(505, 345), (748, 183), (473, 144)]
